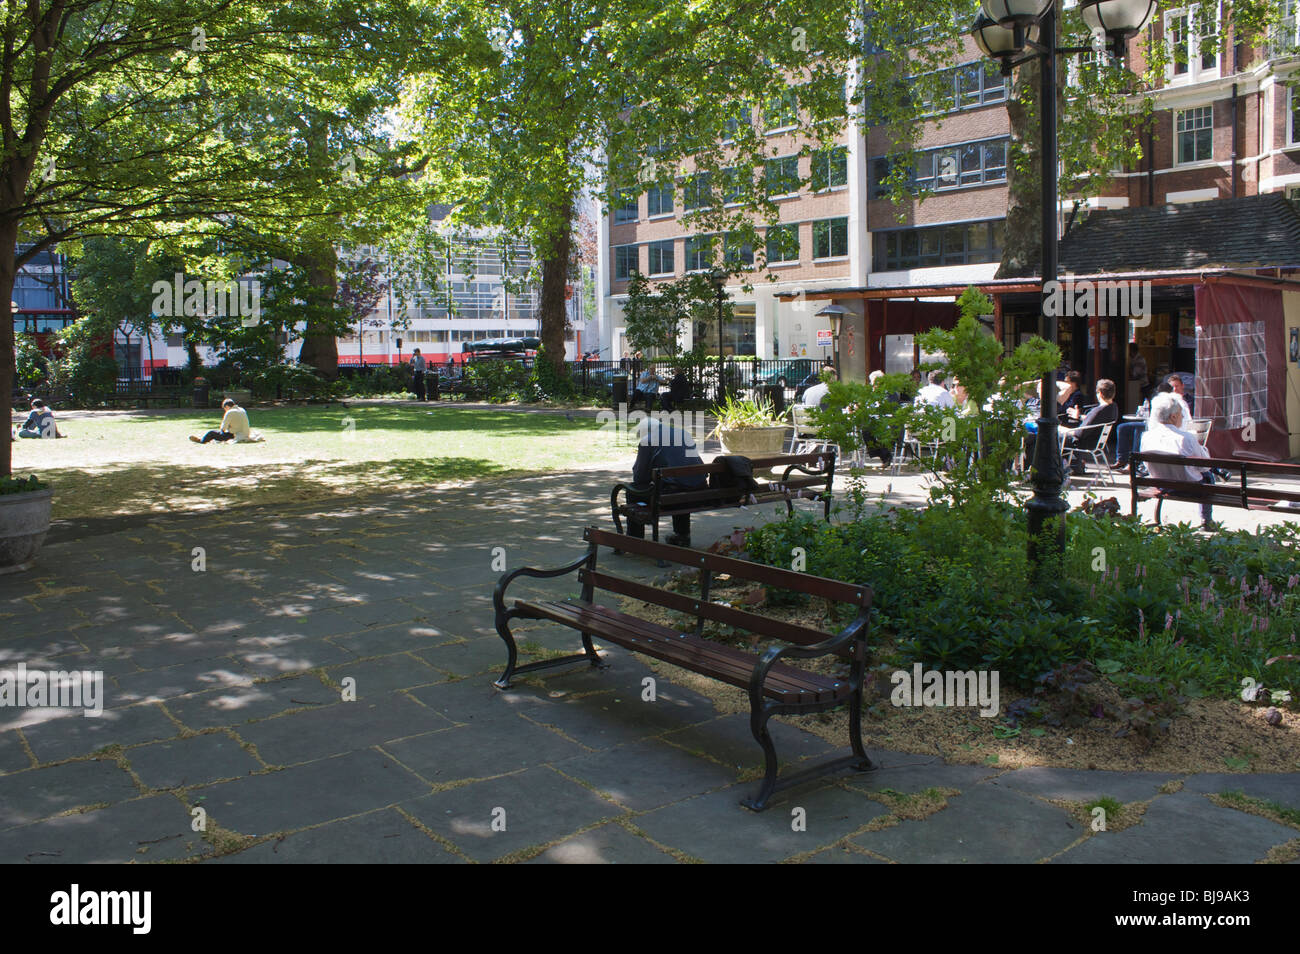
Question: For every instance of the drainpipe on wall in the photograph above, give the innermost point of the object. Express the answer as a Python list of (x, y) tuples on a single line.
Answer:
[(1234, 140), (1151, 163)]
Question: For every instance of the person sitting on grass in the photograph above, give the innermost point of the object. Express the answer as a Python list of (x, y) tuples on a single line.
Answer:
[(234, 427), (40, 423)]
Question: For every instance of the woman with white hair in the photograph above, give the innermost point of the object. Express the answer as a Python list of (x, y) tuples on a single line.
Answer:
[(1164, 435)]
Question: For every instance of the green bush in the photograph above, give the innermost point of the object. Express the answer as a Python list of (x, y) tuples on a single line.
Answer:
[(1160, 610), (500, 381)]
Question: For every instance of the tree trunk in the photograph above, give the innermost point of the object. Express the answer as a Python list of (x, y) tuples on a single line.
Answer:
[(555, 277), (1022, 252), (320, 347), (8, 357)]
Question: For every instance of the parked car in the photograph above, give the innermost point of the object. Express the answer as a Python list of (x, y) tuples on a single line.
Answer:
[(787, 373)]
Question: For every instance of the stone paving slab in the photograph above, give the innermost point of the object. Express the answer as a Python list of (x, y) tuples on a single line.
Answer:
[(153, 685), (378, 677), (240, 704), (152, 829), (536, 807), (469, 658), (729, 740), (909, 772), (1187, 828), (38, 793), (646, 775), (610, 844), (482, 750), (308, 794), (13, 757), (73, 735), (983, 825), (312, 734), (1080, 785), (1283, 789), (379, 837), (195, 760), (706, 827)]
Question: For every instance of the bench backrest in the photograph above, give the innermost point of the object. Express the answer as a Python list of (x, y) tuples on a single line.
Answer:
[(821, 464), (709, 565), (1240, 467)]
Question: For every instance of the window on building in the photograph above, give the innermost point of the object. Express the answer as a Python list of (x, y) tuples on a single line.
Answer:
[(781, 176), (830, 168), (950, 167), (1284, 38), (1194, 129), (967, 243), (659, 200), (1192, 35), (697, 192), (625, 261), (741, 117), (661, 258), (624, 204), (699, 253), (736, 251), (782, 244), (781, 112), (733, 185), (962, 87), (830, 238), (1294, 113)]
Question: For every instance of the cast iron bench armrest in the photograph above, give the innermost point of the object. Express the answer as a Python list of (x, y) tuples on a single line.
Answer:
[(827, 647), (499, 592)]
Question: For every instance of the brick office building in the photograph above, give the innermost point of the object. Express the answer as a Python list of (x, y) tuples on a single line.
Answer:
[(1225, 126)]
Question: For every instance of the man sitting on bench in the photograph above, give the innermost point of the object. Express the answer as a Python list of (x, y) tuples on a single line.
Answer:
[(662, 445), (1165, 435)]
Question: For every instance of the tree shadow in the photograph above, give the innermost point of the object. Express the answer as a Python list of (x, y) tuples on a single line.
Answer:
[(84, 496)]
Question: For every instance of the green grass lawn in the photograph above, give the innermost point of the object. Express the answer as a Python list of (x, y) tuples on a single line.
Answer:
[(137, 463)]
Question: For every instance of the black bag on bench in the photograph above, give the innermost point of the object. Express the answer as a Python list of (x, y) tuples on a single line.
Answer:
[(736, 482)]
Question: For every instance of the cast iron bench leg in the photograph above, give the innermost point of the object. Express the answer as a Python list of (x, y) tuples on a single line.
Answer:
[(758, 725)]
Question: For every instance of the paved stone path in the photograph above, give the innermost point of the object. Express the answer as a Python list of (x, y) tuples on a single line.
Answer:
[(225, 693)]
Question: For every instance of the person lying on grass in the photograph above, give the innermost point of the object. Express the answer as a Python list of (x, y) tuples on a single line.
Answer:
[(234, 427)]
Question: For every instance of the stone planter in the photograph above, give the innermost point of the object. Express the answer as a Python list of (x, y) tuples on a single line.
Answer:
[(241, 397), (753, 441), (24, 521)]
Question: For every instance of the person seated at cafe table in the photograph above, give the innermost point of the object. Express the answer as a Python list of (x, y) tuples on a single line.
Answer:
[(1085, 435)]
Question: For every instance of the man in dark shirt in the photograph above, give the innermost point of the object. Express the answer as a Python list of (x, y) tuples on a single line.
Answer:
[(1085, 436), (662, 445)]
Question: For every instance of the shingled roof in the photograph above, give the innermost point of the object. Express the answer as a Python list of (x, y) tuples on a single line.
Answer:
[(1254, 230)]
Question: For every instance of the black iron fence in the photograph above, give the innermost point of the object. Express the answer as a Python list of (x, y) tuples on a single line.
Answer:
[(596, 378)]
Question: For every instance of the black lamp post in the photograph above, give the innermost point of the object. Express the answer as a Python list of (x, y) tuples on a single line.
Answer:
[(718, 278), (836, 315), (1014, 32)]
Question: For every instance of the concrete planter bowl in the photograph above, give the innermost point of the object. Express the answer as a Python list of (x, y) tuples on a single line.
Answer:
[(753, 441), (24, 521)]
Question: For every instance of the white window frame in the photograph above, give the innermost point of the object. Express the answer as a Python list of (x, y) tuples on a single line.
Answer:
[(1195, 72), (1178, 133), (1292, 132), (779, 262), (829, 223)]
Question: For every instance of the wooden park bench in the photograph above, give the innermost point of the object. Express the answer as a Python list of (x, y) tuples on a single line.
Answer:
[(774, 687), (1239, 493), (654, 502)]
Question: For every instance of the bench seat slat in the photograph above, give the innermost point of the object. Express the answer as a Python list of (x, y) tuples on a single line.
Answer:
[(732, 666)]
